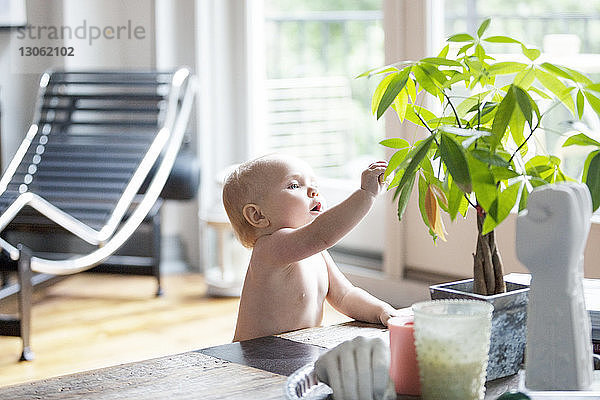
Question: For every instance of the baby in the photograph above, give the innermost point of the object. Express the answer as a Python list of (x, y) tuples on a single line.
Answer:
[(275, 208)]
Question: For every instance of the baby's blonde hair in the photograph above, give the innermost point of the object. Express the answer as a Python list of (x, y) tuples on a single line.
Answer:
[(242, 186)]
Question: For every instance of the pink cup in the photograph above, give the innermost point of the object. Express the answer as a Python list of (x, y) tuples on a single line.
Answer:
[(404, 369)]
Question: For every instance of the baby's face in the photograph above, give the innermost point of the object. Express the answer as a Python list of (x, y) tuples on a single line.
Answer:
[(291, 198)]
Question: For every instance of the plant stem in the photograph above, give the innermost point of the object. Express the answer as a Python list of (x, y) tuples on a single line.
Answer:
[(500, 286), (524, 141), (484, 248), (428, 128), (469, 200), (487, 266), (453, 109)]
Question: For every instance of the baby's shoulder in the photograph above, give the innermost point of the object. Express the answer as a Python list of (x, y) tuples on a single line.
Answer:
[(272, 241)]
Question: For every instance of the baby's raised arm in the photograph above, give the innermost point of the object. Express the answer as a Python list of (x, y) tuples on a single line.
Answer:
[(288, 245)]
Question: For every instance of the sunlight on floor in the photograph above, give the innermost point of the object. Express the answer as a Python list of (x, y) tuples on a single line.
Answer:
[(91, 321)]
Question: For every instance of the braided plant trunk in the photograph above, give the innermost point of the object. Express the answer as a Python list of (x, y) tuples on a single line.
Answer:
[(487, 265)]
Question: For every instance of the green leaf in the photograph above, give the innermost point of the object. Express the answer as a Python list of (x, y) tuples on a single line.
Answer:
[(502, 117), (434, 73), (540, 93), (561, 177), (524, 102), (487, 107), (592, 180), (424, 80), (447, 121), (503, 173), (484, 184), (532, 54), (479, 52), (465, 48), (395, 67), (400, 103), (586, 164), (464, 206), (557, 71), (395, 160), (420, 153), (506, 67), (578, 76), (454, 157), (376, 71), (505, 202), (593, 100), (544, 172), (558, 88), (483, 27), (468, 104), (461, 37), (458, 77), (581, 139), (378, 94), (501, 39), (411, 89), (517, 126), (580, 104), (441, 61), (444, 52), (593, 86), (395, 181), (395, 143), (404, 196), (524, 198), (486, 115), (484, 155), (525, 78), (541, 167), (455, 197), (394, 87), (427, 169), (412, 111)]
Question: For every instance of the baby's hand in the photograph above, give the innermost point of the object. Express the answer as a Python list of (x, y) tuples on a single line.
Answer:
[(391, 312), (372, 178)]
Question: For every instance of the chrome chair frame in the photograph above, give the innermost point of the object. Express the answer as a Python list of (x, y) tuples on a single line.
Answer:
[(126, 216)]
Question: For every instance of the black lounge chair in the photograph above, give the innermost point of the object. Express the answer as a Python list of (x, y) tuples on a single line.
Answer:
[(92, 165)]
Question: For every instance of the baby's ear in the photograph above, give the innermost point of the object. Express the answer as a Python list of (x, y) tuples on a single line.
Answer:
[(253, 214)]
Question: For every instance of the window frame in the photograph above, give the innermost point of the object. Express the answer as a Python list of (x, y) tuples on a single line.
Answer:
[(409, 249)]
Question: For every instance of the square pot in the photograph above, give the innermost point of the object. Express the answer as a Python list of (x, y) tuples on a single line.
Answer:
[(509, 322)]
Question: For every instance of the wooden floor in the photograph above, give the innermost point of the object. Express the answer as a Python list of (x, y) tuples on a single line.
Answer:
[(90, 321)]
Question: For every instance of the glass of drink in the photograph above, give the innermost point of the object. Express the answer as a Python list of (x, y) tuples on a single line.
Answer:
[(452, 339)]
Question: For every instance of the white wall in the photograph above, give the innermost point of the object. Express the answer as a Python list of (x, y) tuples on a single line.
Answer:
[(20, 75), (125, 29), (225, 67), (134, 34), (176, 46)]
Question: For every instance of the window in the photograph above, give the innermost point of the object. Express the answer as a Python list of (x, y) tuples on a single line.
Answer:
[(315, 108), (565, 31), (317, 111)]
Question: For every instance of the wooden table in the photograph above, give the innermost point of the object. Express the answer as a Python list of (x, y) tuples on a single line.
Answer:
[(254, 369)]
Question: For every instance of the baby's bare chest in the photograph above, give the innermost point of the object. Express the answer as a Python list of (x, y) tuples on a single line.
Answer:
[(307, 277), (301, 284)]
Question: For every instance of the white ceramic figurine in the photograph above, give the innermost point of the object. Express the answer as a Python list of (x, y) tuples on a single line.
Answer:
[(357, 369), (551, 237)]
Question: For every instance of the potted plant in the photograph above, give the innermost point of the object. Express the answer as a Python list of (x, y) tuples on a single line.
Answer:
[(480, 116)]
